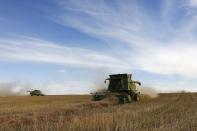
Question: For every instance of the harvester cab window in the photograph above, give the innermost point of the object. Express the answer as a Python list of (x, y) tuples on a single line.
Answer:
[(124, 84), (114, 84)]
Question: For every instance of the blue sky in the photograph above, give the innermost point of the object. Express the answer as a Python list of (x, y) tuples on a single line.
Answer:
[(69, 46)]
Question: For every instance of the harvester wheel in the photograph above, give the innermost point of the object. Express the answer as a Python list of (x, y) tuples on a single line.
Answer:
[(136, 97), (124, 99), (129, 100), (121, 99)]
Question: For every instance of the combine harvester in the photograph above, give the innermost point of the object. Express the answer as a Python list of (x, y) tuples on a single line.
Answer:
[(36, 93), (121, 86)]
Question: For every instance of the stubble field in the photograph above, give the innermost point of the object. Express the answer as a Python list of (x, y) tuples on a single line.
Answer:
[(167, 112)]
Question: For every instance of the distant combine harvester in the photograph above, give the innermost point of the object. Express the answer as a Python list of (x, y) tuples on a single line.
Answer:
[(35, 93)]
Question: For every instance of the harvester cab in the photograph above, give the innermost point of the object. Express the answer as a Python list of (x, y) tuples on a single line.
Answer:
[(121, 86)]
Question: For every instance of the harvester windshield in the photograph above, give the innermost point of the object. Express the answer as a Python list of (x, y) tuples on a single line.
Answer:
[(118, 82), (117, 85)]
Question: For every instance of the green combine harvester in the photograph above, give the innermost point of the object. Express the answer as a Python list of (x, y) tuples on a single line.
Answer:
[(121, 86), (35, 93)]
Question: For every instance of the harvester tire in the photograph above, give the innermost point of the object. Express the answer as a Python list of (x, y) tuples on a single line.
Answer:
[(122, 99), (136, 97)]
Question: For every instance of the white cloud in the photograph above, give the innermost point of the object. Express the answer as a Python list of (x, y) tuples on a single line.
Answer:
[(176, 58), (36, 50), (61, 71), (160, 49), (160, 43), (193, 3), (124, 23)]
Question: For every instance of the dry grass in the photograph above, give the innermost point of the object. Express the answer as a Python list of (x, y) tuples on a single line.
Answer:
[(77, 113)]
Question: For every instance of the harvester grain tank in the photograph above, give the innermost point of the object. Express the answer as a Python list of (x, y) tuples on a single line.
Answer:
[(121, 86)]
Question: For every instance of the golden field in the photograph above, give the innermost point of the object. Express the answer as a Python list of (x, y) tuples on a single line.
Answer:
[(167, 112)]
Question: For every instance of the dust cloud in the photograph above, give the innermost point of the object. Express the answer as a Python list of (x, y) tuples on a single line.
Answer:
[(99, 78), (13, 89), (147, 90)]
